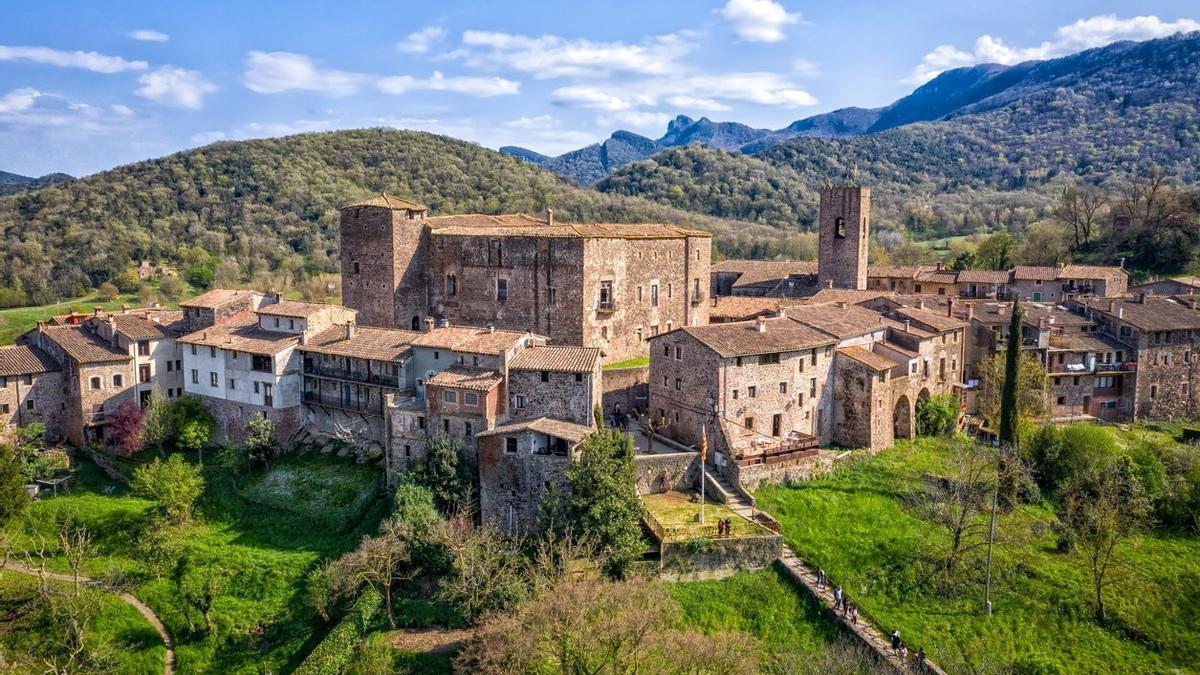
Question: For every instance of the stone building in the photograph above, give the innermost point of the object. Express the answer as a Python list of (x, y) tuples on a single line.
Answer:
[(780, 279), (843, 236), (1183, 285), (219, 304), (607, 286), (31, 390)]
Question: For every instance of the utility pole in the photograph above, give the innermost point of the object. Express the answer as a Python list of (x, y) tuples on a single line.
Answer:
[(987, 592)]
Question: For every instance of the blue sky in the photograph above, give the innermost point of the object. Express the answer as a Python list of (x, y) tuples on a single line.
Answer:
[(85, 86)]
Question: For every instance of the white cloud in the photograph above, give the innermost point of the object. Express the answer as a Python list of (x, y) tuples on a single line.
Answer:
[(758, 20), (206, 137), (693, 103), (804, 68), (635, 119), (550, 56), (277, 72), (93, 61), (761, 88), (483, 87), (147, 35), (422, 40), (531, 123), (18, 100), (1096, 31), (175, 87)]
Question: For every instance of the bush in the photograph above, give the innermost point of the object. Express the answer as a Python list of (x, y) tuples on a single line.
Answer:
[(107, 291), (174, 484), (937, 415), (446, 475), (333, 654)]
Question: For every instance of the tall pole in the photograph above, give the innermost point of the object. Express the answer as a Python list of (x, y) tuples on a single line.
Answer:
[(703, 460), (987, 592)]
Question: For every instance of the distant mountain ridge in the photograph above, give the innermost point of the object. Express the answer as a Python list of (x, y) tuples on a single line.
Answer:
[(952, 94), (11, 183)]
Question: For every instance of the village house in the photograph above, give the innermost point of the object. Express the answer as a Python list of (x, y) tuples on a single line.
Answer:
[(31, 391), (607, 286)]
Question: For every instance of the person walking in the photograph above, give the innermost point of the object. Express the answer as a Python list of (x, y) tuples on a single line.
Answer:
[(921, 665), (837, 597), (895, 641), (728, 527), (821, 580), (720, 528), (903, 653), (853, 612)]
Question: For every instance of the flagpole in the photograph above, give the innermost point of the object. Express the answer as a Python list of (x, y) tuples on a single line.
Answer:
[(703, 459)]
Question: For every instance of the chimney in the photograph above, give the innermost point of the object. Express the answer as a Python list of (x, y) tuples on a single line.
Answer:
[(940, 266), (96, 309), (921, 305), (351, 328), (950, 307), (1122, 263), (840, 304), (1120, 312), (491, 328), (829, 283), (550, 217), (428, 324), (760, 326), (304, 337), (907, 325), (124, 307), (1141, 298), (970, 312)]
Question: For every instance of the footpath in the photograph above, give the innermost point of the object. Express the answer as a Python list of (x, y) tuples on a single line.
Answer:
[(865, 629), (168, 662)]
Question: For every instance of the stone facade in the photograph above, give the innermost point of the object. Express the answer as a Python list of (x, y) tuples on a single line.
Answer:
[(383, 259), (844, 236), (720, 558), (667, 472), (33, 398), (626, 387), (516, 471)]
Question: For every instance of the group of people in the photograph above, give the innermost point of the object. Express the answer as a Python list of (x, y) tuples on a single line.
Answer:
[(620, 419), (849, 611), (725, 527)]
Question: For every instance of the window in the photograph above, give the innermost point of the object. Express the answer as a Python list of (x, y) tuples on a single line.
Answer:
[(268, 394), (446, 425), (170, 366), (678, 353), (777, 425), (450, 396), (277, 322), (118, 380), (800, 399), (552, 295), (212, 352), (735, 394), (496, 252), (143, 347), (195, 376), (666, 350), (94, 383), (510, 444), (27, 379), (451, 284), (812, 388), (696, 286), (654, 295), (839, 227), (29, 404), (356, 267), (232, 383), (749, 423), (467, 429), (470, 398), (256, 384), (603, 332), (666, 381), (520, 401), (545, 376), (260, 363), (606, 294), (752, 391), (783, 387), (814, 356), (1166, 358), (678, 384), (670, 291), (212, 379), (1062, 400), (436, 355), (420, 421), (1187, 388), (193, 350), (291, 324), (639, 294), (579, 377), (144, 373), (768, 359), (501, 290), (1106, 382), (179, 363), (4, 408), (1153, 390)]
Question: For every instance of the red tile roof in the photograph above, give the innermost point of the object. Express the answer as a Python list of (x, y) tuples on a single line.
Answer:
[(242, 333), (466, 377), (557, 359), (84, 346), (25, 360)]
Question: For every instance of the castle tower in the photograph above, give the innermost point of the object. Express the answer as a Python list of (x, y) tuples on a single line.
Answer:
[(383, 242), (844, 235)]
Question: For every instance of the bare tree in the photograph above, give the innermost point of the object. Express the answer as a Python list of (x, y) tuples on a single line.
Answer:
[(76, 545), (1146, 199), (957, 500), (485, 574), (1079, 207), (379, 562)]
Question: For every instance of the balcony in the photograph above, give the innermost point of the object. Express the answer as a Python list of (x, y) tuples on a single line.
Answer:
[(337, 402), (355, 376), (1072, 289), (785, 450), (1116, 367), (1026, 343), (606, 306), (698, 298)]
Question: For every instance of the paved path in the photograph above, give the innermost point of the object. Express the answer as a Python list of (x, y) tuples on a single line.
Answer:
[(869, 633), (169, 662)]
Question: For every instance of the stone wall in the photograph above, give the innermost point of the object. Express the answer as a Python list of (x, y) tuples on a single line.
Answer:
[(754, 476), (383, 263), (563, 396), (628, 387), (674, 472), (844, 233), (513, 484), (1168, 375), (44, 391), (718, 558), (231, 418)]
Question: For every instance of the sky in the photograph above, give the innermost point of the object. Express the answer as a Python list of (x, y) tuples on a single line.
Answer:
[(86, 86)]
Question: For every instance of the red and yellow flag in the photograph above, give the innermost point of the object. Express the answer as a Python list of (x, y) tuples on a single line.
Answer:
[(703, 444)]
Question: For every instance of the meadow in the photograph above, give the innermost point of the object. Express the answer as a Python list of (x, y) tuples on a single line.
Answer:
[(240, 566), (857, 523)]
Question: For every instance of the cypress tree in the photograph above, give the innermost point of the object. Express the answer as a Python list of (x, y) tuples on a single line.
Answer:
[(1008, 395)]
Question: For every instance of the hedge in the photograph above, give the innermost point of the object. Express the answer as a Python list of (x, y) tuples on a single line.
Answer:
[(334, 653)]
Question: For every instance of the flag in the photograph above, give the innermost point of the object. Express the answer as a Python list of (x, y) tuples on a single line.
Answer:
[(703, 444)]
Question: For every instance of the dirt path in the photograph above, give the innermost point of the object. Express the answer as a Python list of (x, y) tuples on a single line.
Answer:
[(168, 642), (431, 640)]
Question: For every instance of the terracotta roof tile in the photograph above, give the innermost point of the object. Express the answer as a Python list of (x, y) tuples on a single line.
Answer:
[(1028, 273), (25, 360), (843, 322), (218, 297), (293, 308), (894, 271), (376, 344), (1092, 272), (148, 325), (242, 333), (765, 271), (568, 431), (1085, 342), (936, 276), (522, 225), (388, 202), (936, 321), (81, 344), (557, 359), (868, 358), (983, 276), (743, 307), (827, 296), (744, 339), (466, 377), (1153, 315), (472, 340)]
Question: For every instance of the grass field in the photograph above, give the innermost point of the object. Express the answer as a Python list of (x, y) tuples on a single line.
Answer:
[(679, 516), (636, 362), (26, 641), (854, 524), (257, 553)]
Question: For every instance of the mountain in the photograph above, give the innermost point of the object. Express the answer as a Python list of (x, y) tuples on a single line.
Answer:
[(272, 206), (1130, 74), (1013, 137), (11, 183)]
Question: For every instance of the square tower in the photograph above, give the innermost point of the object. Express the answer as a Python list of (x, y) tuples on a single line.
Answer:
[(844, 235), (383, 244)]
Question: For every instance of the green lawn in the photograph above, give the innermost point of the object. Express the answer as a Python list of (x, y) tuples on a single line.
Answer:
[(679, 515), (855, 525), (26, 639), (636, 362), (258, 549)]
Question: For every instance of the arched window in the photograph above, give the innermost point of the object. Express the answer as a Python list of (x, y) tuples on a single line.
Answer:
[(839, 227), (451, 284), (416, 323)]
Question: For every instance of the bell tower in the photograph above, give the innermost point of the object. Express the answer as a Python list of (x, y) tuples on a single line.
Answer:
[(383, 242), (845, 231)]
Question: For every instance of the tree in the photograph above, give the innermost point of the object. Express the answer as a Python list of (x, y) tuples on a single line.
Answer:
[(602, 500), (997, 251), (415, 509), (157, 425), (1104, 507), (446, 475), (260, 439), (379, 562), (227, 275), (1031, 395), (1009, 411), (125, 427), (127, 280), (192, 422), (172, 288), (200, 586), (1079, 208), (107, 292), (937, 415), (200, 276), (13, 495), (174, 484), (585, 625), (485, 575), (75, 544), (956, 500)]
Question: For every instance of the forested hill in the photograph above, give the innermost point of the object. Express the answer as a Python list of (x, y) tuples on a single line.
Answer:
[(272, 205), (11, 183)]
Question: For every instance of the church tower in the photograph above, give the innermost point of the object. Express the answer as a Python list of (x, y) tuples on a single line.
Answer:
[(383, 242), (845, 230)]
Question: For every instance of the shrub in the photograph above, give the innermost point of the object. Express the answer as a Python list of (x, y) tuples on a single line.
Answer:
[(937, 415), (107, 291), (333, 654), (174, 484)]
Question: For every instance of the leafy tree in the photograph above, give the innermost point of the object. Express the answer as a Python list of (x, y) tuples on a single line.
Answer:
[(172, 288), (1009, 410), (200, 586), (192, 422), (260, 439), (157, 423), (107, 292), (415, 511), (1031, 395), (1104, 507), (602, 501), (446, 475), (13, 496), (957, 497), (937, 415), (125, 427), (175, 484), (201, 276), (997, 252), (127, 280)]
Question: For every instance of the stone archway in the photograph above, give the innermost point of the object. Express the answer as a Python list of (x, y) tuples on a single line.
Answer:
[(924, 395), (416, 323), (902, 419)]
